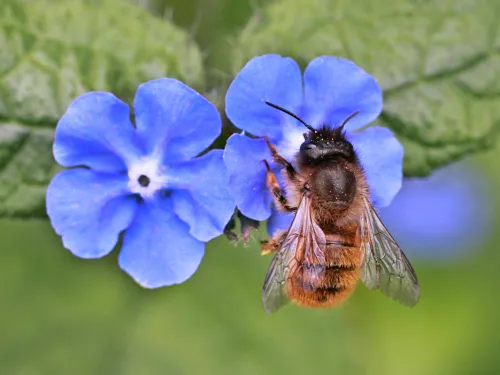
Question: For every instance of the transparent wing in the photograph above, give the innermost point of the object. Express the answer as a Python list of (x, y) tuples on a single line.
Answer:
[(304, 239), (385, 266), (274, 293)]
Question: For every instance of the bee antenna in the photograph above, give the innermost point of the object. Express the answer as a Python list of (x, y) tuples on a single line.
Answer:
[(293, 115), (348, 119)]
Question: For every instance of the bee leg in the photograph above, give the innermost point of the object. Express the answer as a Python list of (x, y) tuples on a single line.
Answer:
[(273, 244), (274, 186), (290, 170)]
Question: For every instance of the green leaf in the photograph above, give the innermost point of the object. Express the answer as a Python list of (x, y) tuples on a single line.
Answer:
[(438, 63), (55, 50)]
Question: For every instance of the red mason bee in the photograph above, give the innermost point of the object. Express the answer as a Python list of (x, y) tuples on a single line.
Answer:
[(336, 236)]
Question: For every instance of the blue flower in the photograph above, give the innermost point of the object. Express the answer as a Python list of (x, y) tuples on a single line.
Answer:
[(330, 90), (145, 180), (441, 215)]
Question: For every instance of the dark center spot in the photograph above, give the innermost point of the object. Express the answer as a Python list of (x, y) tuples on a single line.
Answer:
[(143, 180)]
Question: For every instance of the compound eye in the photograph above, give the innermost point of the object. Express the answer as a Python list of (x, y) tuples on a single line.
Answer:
[(307, 145), (343, 145)]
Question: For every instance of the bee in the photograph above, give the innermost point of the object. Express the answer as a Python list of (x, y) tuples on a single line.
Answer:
[(336, 236)]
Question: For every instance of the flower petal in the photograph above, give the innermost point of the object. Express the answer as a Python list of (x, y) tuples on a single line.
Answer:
[(201, 198), (247, 175), (279, 221), (96, 132), (381, 156), (89, 210), (173, 120), (265, 78), (157, 248), (441, 215), (335, 88)]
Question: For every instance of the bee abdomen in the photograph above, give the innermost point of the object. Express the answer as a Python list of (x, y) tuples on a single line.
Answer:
[(318, 285)]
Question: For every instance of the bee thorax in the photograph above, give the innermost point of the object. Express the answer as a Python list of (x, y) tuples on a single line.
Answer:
[(335, 185)]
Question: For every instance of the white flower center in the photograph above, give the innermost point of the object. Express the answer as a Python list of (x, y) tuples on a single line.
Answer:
[(145, 177), (289, 146)]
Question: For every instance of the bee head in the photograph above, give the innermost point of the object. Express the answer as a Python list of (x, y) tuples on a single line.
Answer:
[(326, 144)]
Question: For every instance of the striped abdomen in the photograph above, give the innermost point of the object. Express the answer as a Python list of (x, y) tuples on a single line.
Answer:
[(314, 284)]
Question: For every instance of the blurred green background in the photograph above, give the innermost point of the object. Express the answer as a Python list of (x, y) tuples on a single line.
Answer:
[(64, 315)]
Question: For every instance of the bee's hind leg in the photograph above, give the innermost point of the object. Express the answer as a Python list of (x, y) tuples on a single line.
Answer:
[(273, 244), (274, 186)]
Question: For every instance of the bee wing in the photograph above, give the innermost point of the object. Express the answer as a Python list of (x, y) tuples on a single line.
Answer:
[(274, 293), (304, 237), (385, 266)]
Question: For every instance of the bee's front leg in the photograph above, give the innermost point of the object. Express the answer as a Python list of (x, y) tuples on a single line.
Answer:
[(274, 186), (290, 170)]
